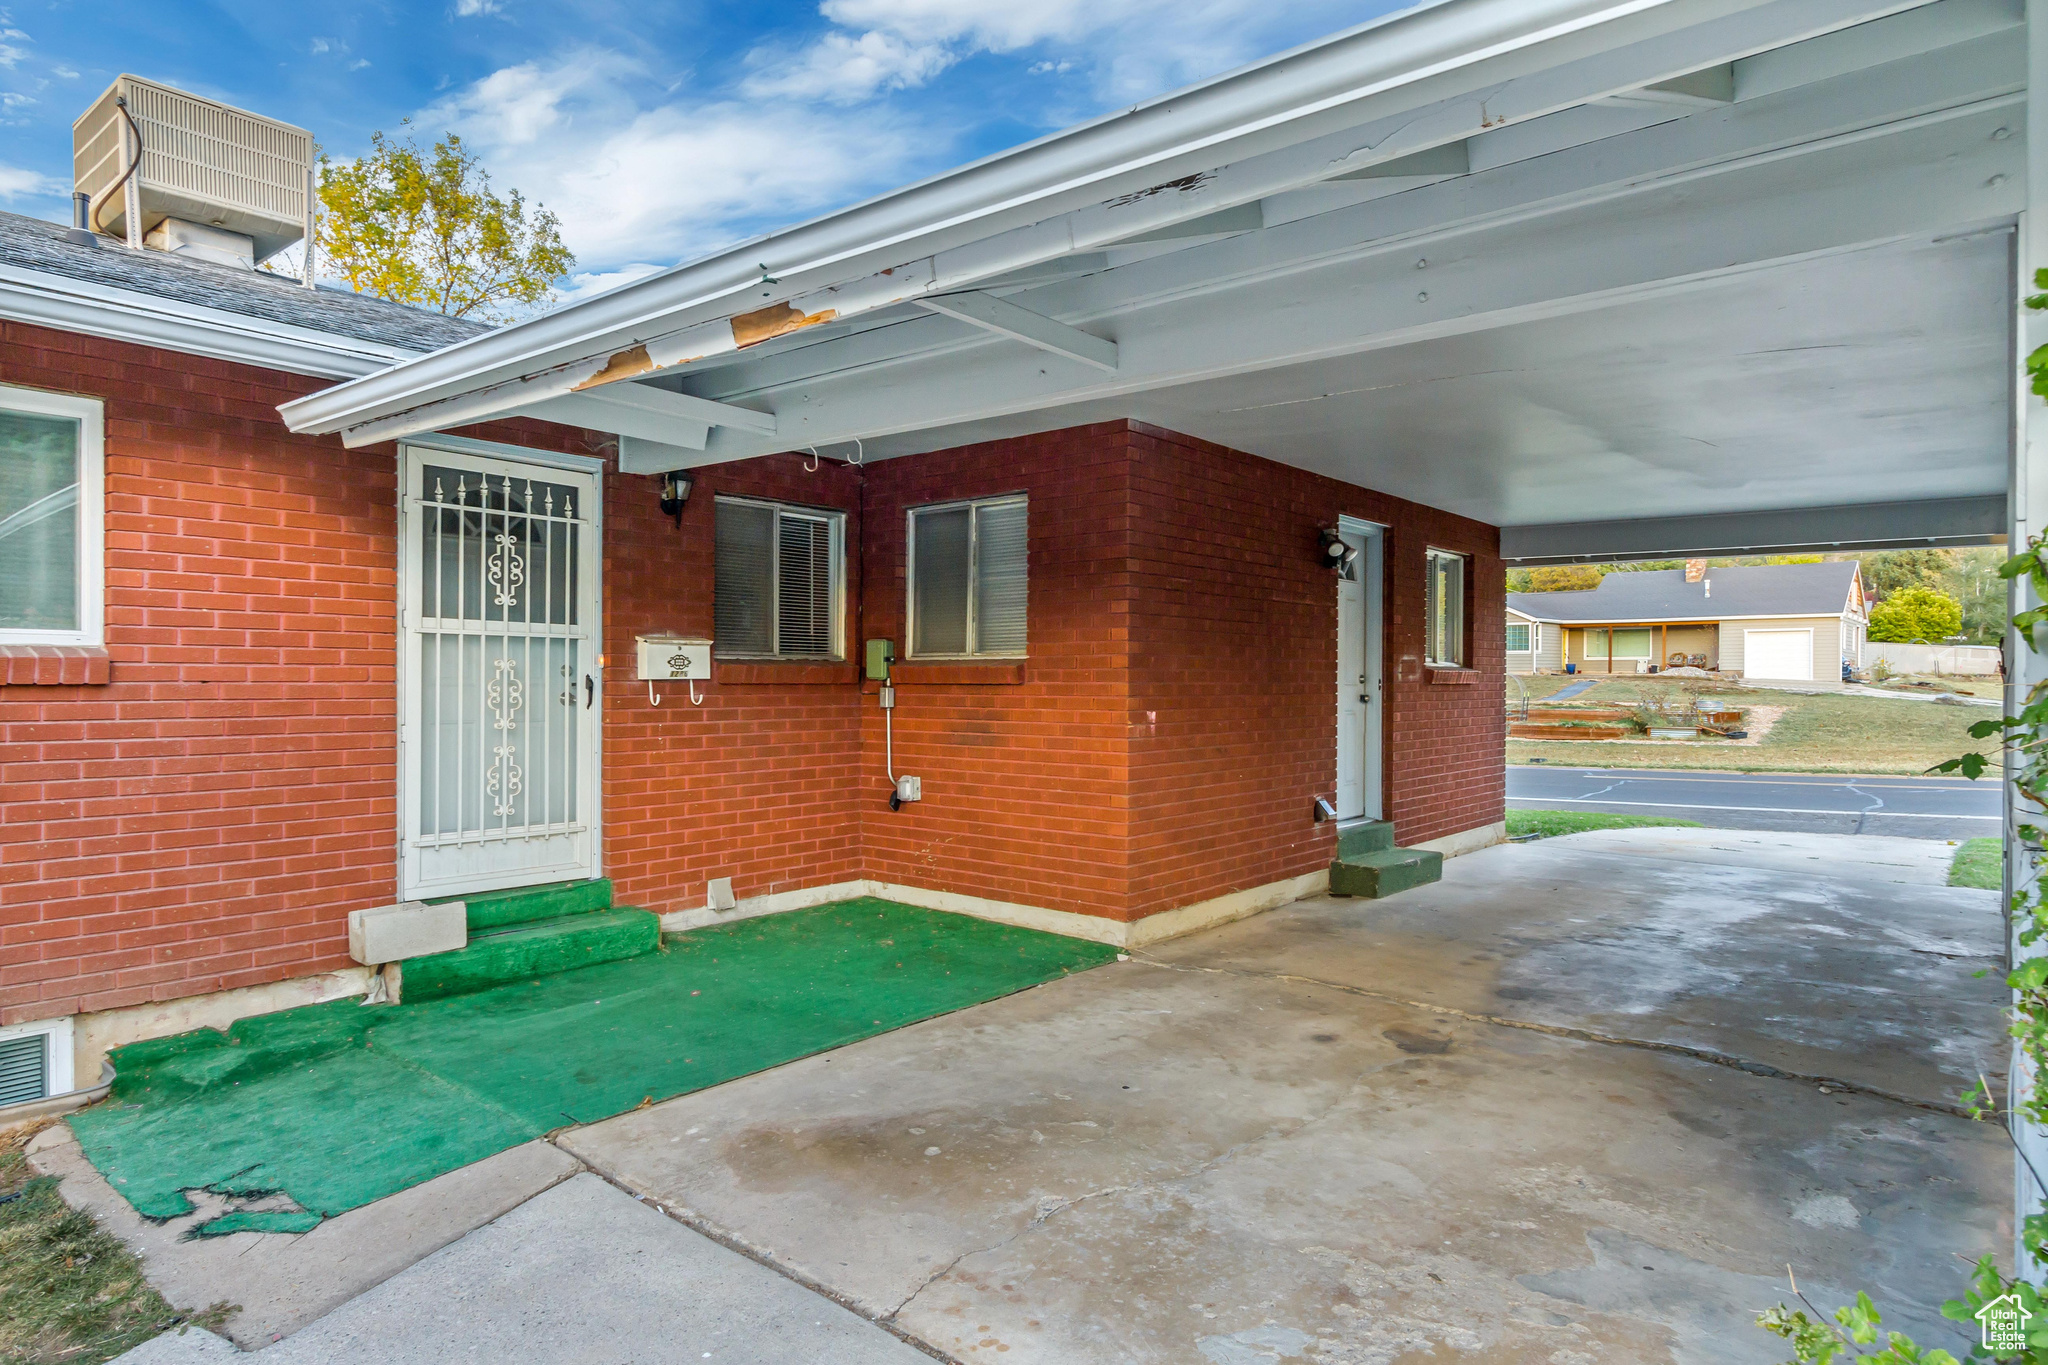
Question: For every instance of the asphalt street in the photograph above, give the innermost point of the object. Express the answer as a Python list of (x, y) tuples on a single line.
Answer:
[(1909, 807)]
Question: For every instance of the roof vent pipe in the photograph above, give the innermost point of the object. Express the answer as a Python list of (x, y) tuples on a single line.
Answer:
[(81, 232)]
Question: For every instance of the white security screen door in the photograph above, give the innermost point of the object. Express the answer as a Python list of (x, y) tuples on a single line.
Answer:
[(499, 736)]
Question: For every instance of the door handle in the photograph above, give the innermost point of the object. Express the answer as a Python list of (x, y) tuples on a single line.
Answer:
[(589, 692)]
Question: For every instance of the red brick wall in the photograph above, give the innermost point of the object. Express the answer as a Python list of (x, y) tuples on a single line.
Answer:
[(207, 818), (1234, 644), (758, 783), (192, 825), (1025, 795)]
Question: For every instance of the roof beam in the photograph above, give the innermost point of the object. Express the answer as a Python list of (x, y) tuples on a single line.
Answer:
[(1870, 526), (1004, 318)]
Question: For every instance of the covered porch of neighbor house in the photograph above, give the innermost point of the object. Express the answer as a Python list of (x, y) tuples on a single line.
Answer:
[(1620, 648)]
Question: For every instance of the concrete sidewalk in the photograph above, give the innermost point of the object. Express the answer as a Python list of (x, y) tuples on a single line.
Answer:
[(582, 1274)]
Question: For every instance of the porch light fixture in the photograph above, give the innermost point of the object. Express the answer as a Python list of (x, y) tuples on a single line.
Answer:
[(1336, 554), (675, 491)]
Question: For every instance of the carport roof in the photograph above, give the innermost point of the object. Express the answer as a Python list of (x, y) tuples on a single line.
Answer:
[(1551, 264), (1755, 590)]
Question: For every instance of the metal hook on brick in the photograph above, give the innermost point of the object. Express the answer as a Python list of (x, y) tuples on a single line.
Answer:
[(812, 467)]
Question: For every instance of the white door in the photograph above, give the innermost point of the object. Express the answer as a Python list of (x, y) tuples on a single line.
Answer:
[(1358, 676), (498, 738), (1779, 654)]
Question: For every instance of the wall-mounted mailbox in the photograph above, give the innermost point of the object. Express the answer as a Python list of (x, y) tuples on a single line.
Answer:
[(674, 658)]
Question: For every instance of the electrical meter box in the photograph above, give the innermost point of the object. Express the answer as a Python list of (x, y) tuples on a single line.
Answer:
[(665, 658), (881, 654)]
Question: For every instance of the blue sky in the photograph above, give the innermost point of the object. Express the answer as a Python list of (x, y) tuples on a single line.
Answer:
[(656, 131)]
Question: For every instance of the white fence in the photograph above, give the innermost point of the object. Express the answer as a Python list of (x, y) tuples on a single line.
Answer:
[(1936, 659)]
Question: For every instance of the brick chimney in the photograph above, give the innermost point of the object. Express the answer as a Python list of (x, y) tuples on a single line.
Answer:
[(1695, 570)]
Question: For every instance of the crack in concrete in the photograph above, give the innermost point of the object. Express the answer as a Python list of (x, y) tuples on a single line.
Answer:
[(734, 1243), (1701, 1054)]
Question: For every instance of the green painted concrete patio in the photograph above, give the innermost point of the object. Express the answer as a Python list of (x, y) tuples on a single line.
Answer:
[(340, 1104)]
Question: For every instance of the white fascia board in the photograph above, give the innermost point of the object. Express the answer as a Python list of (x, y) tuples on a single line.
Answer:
[(66, 304), (1974, 520), (1338, 104), (1646, 237)]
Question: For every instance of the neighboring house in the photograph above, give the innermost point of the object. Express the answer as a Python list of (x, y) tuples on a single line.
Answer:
[(257, 679), (1769, 623)]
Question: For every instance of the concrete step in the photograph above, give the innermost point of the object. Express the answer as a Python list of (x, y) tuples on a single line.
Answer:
[(1373, 836), (531, 904), (1385, 872), (522, 951)]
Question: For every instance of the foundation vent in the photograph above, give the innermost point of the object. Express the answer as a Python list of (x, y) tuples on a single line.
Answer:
[(24, 1068), (202, 163)]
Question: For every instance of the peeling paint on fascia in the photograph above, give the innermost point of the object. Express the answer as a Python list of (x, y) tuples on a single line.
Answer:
[(1180, 186), (765, 324), (626, 364)]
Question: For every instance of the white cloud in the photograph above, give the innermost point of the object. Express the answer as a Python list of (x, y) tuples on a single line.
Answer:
[(16, 181), (845, 68), (635, 173), (1132, 48), (469, 9), (587, 284)]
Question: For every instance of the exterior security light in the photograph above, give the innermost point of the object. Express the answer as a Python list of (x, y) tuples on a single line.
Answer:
[(1336, 553), (675, 491)]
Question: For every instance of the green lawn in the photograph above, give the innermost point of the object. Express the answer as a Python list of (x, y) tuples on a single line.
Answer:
[(1978, 863), (1819, 733), (1548, 824), (68, 1291)]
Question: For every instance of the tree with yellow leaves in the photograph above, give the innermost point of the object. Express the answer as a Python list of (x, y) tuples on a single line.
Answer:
[(425, 228)]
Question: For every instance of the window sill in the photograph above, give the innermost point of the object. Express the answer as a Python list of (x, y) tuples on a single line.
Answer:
[(1443, 676), (54, 666), (783, 673), (994, 673)]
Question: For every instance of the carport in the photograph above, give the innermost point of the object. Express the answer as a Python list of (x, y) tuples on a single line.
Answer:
[(1625, 280)]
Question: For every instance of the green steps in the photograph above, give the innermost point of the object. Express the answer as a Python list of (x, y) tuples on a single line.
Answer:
[(524, 950), (1371, 866), (533, 931), (1371, 836), (495, 910)]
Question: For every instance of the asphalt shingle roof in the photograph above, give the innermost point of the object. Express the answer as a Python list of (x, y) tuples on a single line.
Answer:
[(1664, 595), (32, 244)]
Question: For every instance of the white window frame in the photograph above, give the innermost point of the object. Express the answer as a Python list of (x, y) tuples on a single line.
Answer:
[(92, 561), (1464, 631), (1529, 648), (1586, 647), (836, 521), (973, 575)]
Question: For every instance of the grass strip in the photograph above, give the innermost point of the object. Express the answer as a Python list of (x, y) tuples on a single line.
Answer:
[(1548, 824), (1979, 863)]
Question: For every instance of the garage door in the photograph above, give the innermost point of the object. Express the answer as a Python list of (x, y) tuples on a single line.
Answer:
[(1777, 654)]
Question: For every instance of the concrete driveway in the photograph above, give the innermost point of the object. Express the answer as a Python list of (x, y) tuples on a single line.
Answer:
[(1581, 1102)]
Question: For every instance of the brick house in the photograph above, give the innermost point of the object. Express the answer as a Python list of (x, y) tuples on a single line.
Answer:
[(265, 665), (203, 776)]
